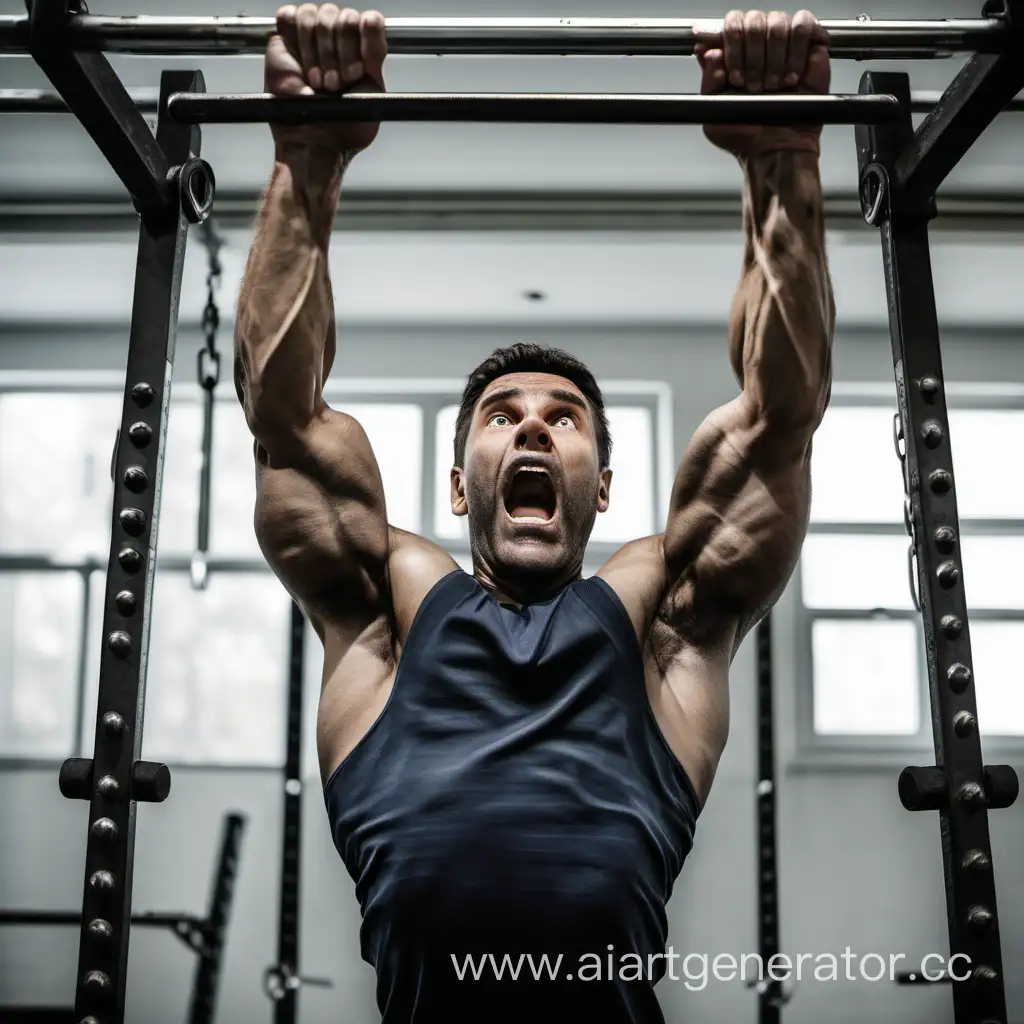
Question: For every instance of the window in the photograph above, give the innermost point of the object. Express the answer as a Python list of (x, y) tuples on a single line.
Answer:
[(218, 657), (39, 662), (862, 633), (216, 676)]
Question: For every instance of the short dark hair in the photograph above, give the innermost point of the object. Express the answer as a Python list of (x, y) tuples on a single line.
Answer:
[(527, 358)]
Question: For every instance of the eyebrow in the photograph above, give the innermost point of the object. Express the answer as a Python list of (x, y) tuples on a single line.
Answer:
[(558, 394)]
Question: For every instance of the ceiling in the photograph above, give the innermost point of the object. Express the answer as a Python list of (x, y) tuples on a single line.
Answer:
[(475, 278)]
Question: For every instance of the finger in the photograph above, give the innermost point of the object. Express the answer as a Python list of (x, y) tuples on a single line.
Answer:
[(755, 40), (373, 30), (346, 37), (708, 33), (818, 75), (732, 35), (799, 46), (288, 29), (776, 49), (699, 50), (288, 79), (305, 19), (713, 75), (327, 55)]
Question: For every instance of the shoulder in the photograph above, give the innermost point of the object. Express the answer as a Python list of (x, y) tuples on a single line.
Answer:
[(415, 566), (636, 573)]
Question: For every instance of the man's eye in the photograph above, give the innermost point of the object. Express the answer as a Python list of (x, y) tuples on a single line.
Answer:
[(565, 421), (500, 420)]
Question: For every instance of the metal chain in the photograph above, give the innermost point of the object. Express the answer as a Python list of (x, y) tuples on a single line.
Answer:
[(900, 444), (208, 363), (209, 357)]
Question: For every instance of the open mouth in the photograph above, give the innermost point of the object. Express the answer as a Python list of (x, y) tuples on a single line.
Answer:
[(531, 497)]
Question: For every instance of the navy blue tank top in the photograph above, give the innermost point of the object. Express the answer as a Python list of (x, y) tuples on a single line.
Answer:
[(515, 799)]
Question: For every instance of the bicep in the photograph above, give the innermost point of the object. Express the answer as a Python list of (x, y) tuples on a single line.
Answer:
[(320, 517), (738, 517)]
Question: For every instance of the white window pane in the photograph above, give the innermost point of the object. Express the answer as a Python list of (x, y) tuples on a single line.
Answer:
[(865, 678), (631, 509), (446, 526), (980, 439), (218, 662), (312, 673), (55, 489), (995, 649), (855, 475), (179, 494), (396, 434), (40, 639), (233, 485), (849, 571), (993, 571)]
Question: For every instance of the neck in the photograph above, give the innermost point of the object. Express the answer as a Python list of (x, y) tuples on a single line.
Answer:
[(524, 591)]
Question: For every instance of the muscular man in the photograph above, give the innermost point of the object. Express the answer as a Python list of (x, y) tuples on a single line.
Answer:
[(514, 760)]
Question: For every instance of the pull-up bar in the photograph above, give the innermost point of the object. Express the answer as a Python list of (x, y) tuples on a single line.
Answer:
[(547, 108), (49, 101), (860, 39)]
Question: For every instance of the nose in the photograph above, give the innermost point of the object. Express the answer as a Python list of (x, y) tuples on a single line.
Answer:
[(533, 435)]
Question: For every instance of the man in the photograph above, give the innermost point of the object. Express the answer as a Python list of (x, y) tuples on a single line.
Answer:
[(514, 761)]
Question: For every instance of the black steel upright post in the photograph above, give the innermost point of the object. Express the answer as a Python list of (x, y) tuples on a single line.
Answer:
[(115, 778), (770, 995), (960, 787), (206, 981), (284, 988)]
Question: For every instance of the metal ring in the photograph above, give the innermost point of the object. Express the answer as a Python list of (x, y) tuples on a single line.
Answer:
[(208, 378), (912, 575), (196, 188), (897, 436), (874, 194)]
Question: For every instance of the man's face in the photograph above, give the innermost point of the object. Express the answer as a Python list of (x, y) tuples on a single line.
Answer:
[(531, 483)]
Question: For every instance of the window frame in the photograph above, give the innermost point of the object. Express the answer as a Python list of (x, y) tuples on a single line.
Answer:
[(852, 751), (431, 395)]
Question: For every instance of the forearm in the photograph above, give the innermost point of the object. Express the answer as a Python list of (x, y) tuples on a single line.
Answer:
[(783, 316), (284, 336)]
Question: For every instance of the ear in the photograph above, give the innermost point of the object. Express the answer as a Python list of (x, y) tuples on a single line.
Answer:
[(604, 490), (458, 492)]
